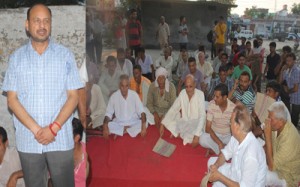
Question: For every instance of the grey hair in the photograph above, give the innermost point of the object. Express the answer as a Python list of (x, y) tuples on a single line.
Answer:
[(242, 117), (124, 77), (280, 111), (190, 76)]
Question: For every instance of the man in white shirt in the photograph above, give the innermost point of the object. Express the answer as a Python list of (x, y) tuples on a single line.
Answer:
[(128, 111), (124, 66), (166, 62), (248, 165), (205, 68), (109, 80), (11, 173), (190, 121), (217, 130), (163, 33)]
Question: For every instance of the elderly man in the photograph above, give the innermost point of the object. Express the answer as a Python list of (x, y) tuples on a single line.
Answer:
[(186, 117), (282, 147), (128, 111), (248, 162), (217, 130), (163, 33), (243, 92), (205, 67), (161, 96), (110, 78), (192, 69), (11, 173), (166, 62)]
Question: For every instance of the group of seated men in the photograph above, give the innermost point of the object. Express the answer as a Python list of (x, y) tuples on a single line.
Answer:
[(132, 102)]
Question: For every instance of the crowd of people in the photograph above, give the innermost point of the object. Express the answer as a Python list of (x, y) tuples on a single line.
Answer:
[(210, 104)]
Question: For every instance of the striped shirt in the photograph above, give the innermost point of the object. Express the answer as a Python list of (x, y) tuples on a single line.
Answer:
[(220, 120), (246, 97), (41, 83), (134, 29), (292, 77)]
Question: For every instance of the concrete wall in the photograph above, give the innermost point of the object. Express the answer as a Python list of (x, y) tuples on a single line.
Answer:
[(200, 18), (68, 28)]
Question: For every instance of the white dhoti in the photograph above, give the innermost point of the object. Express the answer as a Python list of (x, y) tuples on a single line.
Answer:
[(149, 116), (224, 169), (273, 179), (185, 129), (134, 127), (207, 142)]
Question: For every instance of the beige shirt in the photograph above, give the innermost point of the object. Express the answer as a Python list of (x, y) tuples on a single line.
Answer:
[(163, 32), (158, 103), (11, 163), (286, 154)]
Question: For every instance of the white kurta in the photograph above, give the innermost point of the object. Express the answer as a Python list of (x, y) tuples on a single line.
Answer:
[(109, 84), (97, 106), (191, 121), (127, 113), (248, 164), (126, 69)]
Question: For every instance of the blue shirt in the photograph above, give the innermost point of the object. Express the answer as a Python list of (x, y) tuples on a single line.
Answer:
[(292, 77), (41, 83)]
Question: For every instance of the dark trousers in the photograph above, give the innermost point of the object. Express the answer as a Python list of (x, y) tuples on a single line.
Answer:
[(183, 46), (295, 111), (60, 165), (90, 51), (135, 49), (213, 52), (98, 48)]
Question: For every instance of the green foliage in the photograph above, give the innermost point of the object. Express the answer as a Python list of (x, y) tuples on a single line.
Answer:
[(296, 9)]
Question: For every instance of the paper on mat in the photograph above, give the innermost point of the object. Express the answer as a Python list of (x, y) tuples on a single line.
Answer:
[(262, 103), (164, 148)]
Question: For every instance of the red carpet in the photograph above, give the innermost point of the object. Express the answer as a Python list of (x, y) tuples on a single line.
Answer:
[(130, 162)]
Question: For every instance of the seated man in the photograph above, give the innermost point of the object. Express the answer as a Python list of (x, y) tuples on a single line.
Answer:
[(95, 105), (223, 78), (161, 95), (11, 173), (186, 117), (192, 69), (146, 63), (140, 85), (182, 64), (238, 70), (217, 130), (109, 78), (165, 61), (128, 111), (124, 66), (205, 68), (282, 147), (243, 92), (248, 161)]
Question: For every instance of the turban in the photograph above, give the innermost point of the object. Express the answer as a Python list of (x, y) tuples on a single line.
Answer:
[(159, 72)]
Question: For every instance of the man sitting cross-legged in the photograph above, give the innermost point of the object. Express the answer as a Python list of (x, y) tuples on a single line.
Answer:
[(248, 161), (186, 117), (128, 110), (217, 131)]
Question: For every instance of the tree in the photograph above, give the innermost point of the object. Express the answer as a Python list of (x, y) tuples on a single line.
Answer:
[(296, 9)]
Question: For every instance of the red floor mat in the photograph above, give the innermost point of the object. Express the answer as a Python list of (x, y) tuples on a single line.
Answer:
[(130, 162)]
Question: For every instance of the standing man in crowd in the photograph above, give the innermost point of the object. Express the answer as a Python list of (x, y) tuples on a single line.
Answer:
[(183, 33), (292, 78), (273, 59), (98, 29), (42, 84), (134, 32), (163, 33), (220, 32)]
